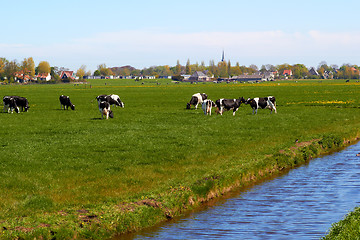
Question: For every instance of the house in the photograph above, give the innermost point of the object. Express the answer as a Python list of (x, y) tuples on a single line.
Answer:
[(199, 76), (269, 76), (249, 78), (287, 73), (328, 75), (313, 72), (67, 75), (21, 77), (44, 76)]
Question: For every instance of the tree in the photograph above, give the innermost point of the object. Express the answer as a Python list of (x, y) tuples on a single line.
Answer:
[(97, 73), (28, 67), (10, 69), (270, 68), (54, 73), (236, 71), (44, 67), (263, 69), (299, 71), (229, 69), (81, 72), (222, 69), (104, 71), (188, 67), (2, 65), (178, 68), (254, 67), (212, 68)]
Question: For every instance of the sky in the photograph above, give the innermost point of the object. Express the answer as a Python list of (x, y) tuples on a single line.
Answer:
[(71, 33)]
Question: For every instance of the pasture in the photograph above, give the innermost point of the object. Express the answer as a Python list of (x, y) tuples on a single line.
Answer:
[(62, 162)]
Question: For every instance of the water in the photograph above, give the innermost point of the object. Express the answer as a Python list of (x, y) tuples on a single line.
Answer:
[(299, 205)]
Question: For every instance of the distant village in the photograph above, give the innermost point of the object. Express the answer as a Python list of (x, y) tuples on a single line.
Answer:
[(26, 72)]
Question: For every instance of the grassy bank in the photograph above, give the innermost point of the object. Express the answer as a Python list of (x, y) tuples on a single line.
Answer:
[(70, 174), (348, 228)]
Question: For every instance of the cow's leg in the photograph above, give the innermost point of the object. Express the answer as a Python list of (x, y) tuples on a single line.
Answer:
[(221, 110), (210, 111), (234, 111)]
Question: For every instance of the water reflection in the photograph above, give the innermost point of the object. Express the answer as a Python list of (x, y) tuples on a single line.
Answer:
[(300, 205)]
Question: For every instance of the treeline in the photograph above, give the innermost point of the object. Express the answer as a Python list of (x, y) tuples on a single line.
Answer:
[(10, 70), (225, 69), (26, 70)]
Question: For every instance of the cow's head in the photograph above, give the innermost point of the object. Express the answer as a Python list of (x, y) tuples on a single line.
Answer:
[(188, 106), (242, 100), (248, 101), (111, 114), (121, 104), (72, 107), (204, 96)]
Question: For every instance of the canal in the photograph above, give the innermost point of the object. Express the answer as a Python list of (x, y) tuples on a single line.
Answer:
[(299, 205)]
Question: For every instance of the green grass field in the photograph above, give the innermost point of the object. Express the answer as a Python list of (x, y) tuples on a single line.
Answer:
[(73, 174)]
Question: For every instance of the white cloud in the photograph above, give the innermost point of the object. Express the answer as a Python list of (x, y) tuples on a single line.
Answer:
[(147, 48)]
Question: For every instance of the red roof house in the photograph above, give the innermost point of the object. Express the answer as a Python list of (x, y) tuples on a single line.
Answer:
[(287, 72), (67, 74)]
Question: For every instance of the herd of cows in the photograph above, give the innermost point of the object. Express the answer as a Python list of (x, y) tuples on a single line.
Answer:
[(16, 103), (228, 104)]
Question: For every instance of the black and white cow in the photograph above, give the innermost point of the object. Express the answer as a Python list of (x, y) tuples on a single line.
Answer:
[(263, 103), (14, 102), (23, 103), (66, 103), (104, 108), (196, 99), (10, 104), (6, 102), (112, 99), (228, 104), (207, 106)]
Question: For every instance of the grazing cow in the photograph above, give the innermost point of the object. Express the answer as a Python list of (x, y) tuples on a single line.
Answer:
[(229, 104), (266, 102), (6, 102), (112, 99), (196, 99), (65, 102), (10, 104), (207, 105), (19, 102), (104, 108), (23, 103)]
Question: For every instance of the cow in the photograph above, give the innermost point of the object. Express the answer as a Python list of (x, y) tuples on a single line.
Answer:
[(66, 103), (10, 104), (207, 105), (263, 103), (6, 102), (228, 104), (196, 99), (112, 99), (104, 108), (21, 102)]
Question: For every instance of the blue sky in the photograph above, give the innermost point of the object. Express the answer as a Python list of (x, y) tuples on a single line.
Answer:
[(147, 33)]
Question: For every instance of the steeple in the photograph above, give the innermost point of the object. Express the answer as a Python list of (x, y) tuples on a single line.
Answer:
[(223, 56)]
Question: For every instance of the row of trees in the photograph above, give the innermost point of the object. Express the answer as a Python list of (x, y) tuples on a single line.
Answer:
[(10, 69), (226, 69)]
